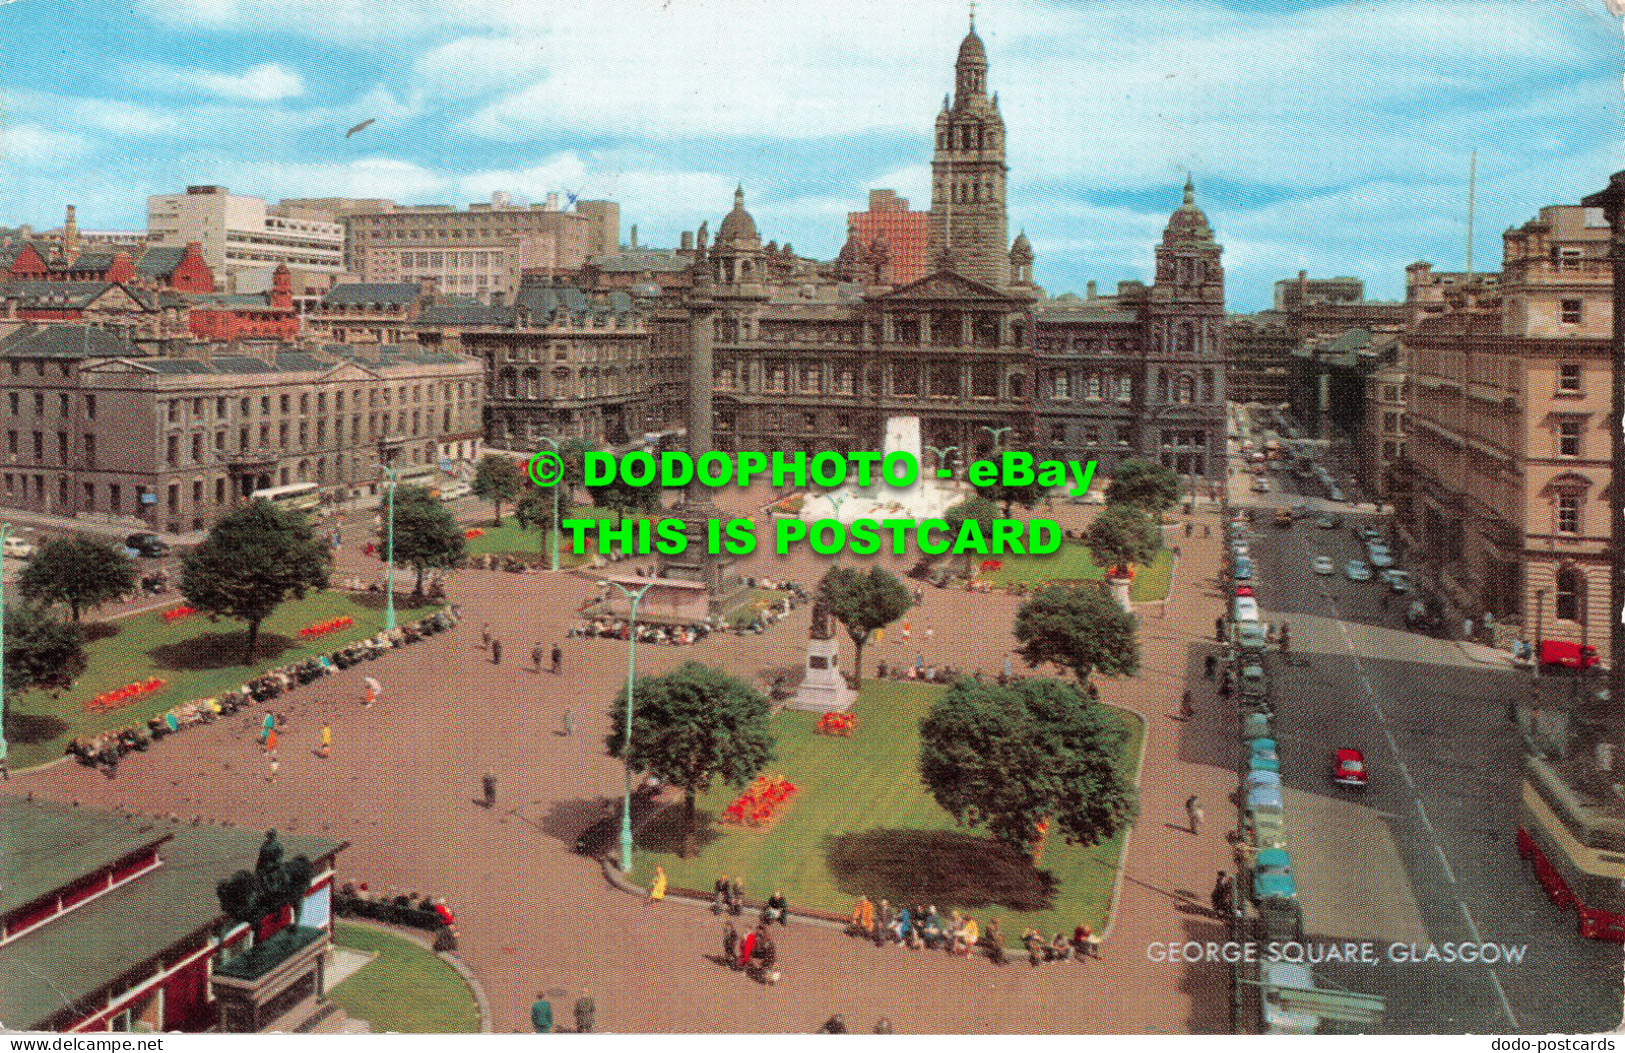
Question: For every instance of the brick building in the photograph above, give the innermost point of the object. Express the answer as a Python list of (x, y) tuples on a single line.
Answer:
[(904, 235)]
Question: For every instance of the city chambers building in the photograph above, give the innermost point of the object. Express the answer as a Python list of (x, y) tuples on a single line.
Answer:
[(817, 356)]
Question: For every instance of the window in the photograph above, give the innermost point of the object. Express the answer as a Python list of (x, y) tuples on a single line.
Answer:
[(1568, 514), (197, 407), (90, 449), (197, 448), (809, 421), (282, 403), (1568, 438), (219, 491), (242, 440), (219, 406), (62, 450), (39, 404), (197, 492), (90, 497), (39, 446), (63, 405), (11, 443), (115, 502), (1057, 434), (16, 403), (243, 408), (1125, 434), (174, 453), (1390, 423), (1091, 390), (1570, 312), (1570, 591), (1568, 376), (265, 406), (304, 403), (174, 410), (1390, 393)]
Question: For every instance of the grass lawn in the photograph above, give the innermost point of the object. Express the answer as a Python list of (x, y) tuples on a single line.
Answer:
[(510, 538), (864, 823), (406, 989), (1073, 562), (197, 657)]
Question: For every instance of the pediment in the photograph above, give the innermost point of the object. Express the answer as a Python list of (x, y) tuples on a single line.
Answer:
[(944, 285), (117, 365), (347, 371)]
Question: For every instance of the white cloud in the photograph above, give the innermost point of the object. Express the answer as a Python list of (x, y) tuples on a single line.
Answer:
[(33, 146), (266, 82)]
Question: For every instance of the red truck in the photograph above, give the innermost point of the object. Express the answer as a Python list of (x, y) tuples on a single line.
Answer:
[(1567, 653)]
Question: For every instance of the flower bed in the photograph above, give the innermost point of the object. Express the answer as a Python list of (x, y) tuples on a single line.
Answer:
[(990, 565), (761, 802), (175, 614), (838, 724), (473, 533), (126, 694), (332, 625)]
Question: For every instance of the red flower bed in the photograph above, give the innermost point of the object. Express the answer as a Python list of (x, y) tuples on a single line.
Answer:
[(330, 626), (761, 802), (990, 565), (125, 695), (476, 532), (175, 614), (840, 724)]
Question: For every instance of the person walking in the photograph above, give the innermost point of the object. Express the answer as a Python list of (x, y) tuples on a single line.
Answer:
[(657, 888), (1218, 628), (536, 657), (1186, 709), (558, 660), (485, 636), (541, 1014), (586, 1013), (327, 742), (1221, 895), (1189, 526), (489, 786), (1193, 812), (270, 742), (372, 689), (569, 727), (496, 652), (1207, 531), (730, 944), (267, 726)]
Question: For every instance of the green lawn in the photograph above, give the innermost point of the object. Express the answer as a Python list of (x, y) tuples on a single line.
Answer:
[(1074, 563), (864, 823), (510, 538), (197, 657), (406, 989)]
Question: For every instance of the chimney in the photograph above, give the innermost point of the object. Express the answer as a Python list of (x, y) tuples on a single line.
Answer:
[(688, 241), (1090, 289), (70, 234), (634, 237)]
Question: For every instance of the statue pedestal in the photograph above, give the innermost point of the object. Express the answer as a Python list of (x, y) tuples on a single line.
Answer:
[(277, 982), (1119, 587), (823, 688)]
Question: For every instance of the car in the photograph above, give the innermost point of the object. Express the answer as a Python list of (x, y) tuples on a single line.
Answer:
[(1261, 485), (1283, 517), (1239, 550), (1244, 590), (455, 491), (1323, 565), (150, 546), (1325, 523), (1366, 535), (1398, 580), (17, 548), (1095, 496), (1244, 609), (1357, 570), (1379, 556), (1335, 494), (1243, 570), (1350, 768)]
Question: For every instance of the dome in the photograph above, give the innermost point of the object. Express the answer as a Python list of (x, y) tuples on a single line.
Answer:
[(1188, 223), (971, 49), (1021, 250), (737, 226)]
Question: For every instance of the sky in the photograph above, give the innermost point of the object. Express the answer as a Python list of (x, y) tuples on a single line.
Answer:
[(1329, 137)]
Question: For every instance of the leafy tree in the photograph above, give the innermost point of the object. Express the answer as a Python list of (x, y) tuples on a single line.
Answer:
[(863, 601), (426, 535), (1149, 487), (1078, 628), (535, 509), (79, 571), (692, 726), (252, 560), (974, 507), (573, 453), (1122, 534), (497, 479), (1025, 495), (1011, 757), (40, 651), (627, 500)]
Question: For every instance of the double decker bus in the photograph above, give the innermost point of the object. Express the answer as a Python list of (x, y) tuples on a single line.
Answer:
[(1577, 849), (306, 497)]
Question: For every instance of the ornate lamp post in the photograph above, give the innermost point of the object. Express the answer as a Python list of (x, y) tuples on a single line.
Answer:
[(997, 433), (389, 555), (942, 453), (5, 531), (633, 597), (555, 444)]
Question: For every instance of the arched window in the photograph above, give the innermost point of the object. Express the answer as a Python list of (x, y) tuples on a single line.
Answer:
[(1186, 344), (1063, 384), (1187, 388), (1570, 593), (1018, 386), (1092, 392), (1207, 385), (1162, 385)]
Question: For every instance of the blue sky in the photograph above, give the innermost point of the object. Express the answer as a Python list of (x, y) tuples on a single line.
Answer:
[(1332, 137)]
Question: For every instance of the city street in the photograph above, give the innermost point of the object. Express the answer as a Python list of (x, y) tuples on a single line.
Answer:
[(1426, 853)]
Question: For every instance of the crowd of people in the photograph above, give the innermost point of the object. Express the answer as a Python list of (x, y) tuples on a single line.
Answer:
[(607, 628), (107, 748), (923, 928)]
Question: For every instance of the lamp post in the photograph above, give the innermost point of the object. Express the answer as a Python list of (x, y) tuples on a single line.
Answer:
[(555, 444), (389, 555), (942, 453), (998, 442), (633, 598), (5, 531)]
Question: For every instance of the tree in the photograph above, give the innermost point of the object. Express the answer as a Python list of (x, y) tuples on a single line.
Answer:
[(252, 560), (426, 535), (573, 453), (1122, 534), (1149, 487), (79, 571), (692, 726), (1025, 495), (497, 479), (535, 509), (1077, 628), (625, 499), (1011, 757), (40, 651), (975, 507), (863, 602)]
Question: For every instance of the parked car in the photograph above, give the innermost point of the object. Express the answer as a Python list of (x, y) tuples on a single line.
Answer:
[(1243, 570), (1244, 609), (1350, 768), (1325, 523), (454, 491), (1379, 556), (1261, 485), (1244, 590), (1568, 653), (17, 548), (1357, 570), (1398, 580), (149, 546), (1335, 494), (1323, 565), (1239, 550)]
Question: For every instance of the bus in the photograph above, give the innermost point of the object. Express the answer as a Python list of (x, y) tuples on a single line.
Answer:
[(1577, 850), (303, 496)]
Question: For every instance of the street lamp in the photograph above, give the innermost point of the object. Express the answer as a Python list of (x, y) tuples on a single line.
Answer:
[(942, 453), (998, 443), (5, 531), (389, 555), (555, 445), (633, 597)]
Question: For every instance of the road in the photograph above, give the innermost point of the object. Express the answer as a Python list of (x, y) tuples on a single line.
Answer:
[(1426, 853)]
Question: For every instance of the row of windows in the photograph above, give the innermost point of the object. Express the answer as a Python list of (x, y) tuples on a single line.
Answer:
[(64, 404), (284, 403)]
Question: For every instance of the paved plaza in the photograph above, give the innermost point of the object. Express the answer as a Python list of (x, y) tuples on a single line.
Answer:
[(402, 782)]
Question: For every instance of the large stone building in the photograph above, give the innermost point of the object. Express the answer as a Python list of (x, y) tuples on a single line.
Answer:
[(812, 358), (1509, 446), (243, 241), (95, 427)]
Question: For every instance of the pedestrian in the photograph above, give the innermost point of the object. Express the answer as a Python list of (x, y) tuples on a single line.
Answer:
[(327, 742), (485, 636), (536, 658), (276, 766), (1209, 665), (1186, 709), (1207, 531), (835, 1025), (919, 662), (657, 888), (1218, 628), (5, 764), (270, 741), (1189, 526), (372, 689), (907, 632), (558, 660), (1193, 812), (1221, 895), (489, 785), (541, 1014), (496, 652), (929, 633), (730, 944), (919, 598), (586, 1013), (747, 947), (267, 726), (569, 722)]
